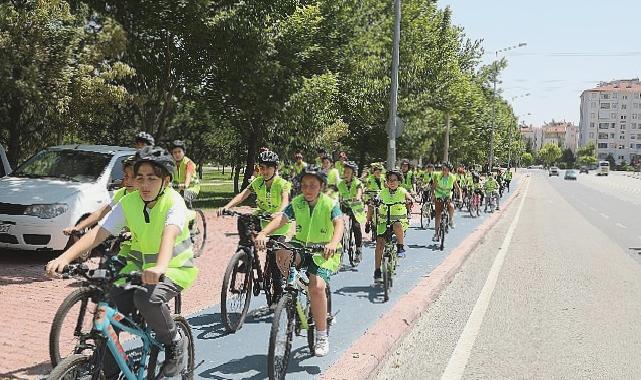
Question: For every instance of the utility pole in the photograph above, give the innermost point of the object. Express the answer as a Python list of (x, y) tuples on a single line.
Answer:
[(446, 154), (392, 126)]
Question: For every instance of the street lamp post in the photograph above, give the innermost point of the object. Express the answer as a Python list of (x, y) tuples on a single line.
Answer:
[(392, 126), (496, 74)]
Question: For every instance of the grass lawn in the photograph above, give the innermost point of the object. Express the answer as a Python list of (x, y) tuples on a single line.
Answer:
[(214, 195)]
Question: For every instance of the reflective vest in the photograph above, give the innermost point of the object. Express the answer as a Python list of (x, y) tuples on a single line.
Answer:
[(397, 212), (508, 175), (340, 167), (180, 175), (146, 238), (444, 185), (427, 177), (270, 200), (316, 227), (349, 196), (299, 167), (333, 177), (408, 180), (118, 195)]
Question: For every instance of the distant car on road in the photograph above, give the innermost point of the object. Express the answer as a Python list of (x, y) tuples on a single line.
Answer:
[(570, 174), (553, 171), (55, 189), (603, 169), (583, 169)]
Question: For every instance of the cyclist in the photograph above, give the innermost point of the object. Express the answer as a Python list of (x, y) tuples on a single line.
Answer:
[(508, 178), (128, 186), (320, 153), (374, 183), (408, 176), (476, 185), (298, 165), (272, 196), (442, 185), (156, 215), (318, 221), (491, 188), (142, 140), (333, 176), (350, 190), (340, 164), (185, 177), (392, 193)]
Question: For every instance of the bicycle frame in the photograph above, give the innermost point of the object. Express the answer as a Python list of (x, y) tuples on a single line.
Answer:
[(104, 322)]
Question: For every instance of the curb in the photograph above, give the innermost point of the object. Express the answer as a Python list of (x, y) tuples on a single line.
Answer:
[(364, 358)]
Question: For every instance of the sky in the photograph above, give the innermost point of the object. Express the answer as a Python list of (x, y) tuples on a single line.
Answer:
[(572, 45)]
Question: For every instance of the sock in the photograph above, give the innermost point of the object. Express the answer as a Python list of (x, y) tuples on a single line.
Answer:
[(321, 334), (399, 246)]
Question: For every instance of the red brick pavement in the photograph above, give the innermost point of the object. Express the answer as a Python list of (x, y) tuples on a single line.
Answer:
[(28, 300)]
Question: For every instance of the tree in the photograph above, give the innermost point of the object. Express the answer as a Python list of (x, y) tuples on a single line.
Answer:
[(568, 157), (527, 159), (586, 155), (550, 153)]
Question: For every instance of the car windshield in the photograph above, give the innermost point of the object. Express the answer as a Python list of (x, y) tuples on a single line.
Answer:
[(68, 165)]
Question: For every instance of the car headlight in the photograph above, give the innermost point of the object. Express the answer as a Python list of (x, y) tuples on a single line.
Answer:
[(47, 211)]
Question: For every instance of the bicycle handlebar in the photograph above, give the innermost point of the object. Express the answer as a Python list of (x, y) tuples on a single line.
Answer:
[(311, 248), (263, 215)]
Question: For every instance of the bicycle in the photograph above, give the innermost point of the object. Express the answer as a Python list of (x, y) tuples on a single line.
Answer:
[(474, 206), (444, 226), (197, 225), (144, 363), (349, 240), (491, 199), (70, 331), (427, 208), (244, 274), (293, 314), (371, 202), (390, 254)]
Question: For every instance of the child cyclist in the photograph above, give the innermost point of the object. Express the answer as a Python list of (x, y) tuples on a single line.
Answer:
[(391, 194), (318, 221), (161, 249), (443, 184), (350, 191)]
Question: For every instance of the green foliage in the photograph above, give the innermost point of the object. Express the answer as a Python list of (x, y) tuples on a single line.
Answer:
[(527, 159), (550, 153)]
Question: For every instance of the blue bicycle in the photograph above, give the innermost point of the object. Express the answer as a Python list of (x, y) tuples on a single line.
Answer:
[(145, 362)]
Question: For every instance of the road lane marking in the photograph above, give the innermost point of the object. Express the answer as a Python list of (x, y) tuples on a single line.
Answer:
[(461, 355), (621, 225), (605, 216)]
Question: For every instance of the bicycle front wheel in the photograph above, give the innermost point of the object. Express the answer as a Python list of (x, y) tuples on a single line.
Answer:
[(442, 232), (387, 277), (236, 293), (280, 338), (72, 324), (75, 367), (157, 357), (199, 233)]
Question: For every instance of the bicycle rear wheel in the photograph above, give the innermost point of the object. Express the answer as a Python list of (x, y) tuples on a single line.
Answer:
[(72, 325), (280, 337), (198, 233), (387, 276), (442, 231), (236, 293), (157, 357), (426, 215)]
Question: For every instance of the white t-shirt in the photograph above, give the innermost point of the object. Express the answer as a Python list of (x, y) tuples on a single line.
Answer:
[(115, 221)]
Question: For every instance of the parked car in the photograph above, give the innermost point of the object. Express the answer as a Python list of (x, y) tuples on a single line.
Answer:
[(553, 171), (583, 169), (5, 169), (55, 189), (570, 174)]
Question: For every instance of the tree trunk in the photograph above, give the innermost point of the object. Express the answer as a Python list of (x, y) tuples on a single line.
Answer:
[(361, 156), (252, 148), (446, 152), (236, 178)]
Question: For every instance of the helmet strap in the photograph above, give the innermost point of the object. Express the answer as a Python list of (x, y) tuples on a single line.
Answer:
[(144, 209)]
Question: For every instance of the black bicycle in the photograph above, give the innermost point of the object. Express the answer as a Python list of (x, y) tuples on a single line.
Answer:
[(293, 313), (427, 208), (197, 225), (390, 254), (245, 276), (349, 240), (371, 202), (444, 226)]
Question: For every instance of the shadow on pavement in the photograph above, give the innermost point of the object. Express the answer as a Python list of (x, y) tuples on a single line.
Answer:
[(372, 292), (22, 267), (38, 370), (210, 326), (258, 363)]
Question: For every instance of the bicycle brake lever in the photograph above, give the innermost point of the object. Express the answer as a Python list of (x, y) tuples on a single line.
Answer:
[(136, 287)]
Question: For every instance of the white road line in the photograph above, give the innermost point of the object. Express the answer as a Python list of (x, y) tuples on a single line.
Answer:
[(621, 225), (605, 216), (461, 355)]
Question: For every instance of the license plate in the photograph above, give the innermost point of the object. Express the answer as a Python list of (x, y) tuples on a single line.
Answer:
[(4, 228)]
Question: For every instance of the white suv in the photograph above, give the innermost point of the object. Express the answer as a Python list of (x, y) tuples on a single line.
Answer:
[(553, 171), (55, 189)]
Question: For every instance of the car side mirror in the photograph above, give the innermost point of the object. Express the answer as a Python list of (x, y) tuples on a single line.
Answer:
[(115, 185)]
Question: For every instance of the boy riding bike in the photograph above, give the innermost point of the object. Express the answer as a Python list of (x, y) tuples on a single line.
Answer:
[(161, 249), (442, 184), (185, 176), (374, 184), (491, 188), (350, 190), (391, 194), (318, 221)]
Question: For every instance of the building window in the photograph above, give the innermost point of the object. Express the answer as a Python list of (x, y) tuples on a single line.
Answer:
[(622, 128), (623, 117), (602, 145), (625, 97), (634, 125), (613, 116), (633, 137), (614, 105), (591, 125), (592, 115), (623, 107), (612, 135), (591, 135), (605, 106), (638, 146), (615, 95), (603, 136), (605, 96), (634, 116), (635, 105)]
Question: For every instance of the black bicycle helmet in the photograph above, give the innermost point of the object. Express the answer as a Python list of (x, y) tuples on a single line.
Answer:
[(427, 166), (178, 144), (350, 164), (156, 156), (145, 137), (315, 171), (398, 173), (405, 161), (327, 157), (268, 158), (448, 166), (128, 162)]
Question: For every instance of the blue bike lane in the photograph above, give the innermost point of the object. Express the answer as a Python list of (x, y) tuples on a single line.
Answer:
[(356, 301)]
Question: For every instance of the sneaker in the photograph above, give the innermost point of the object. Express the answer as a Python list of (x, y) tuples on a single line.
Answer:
[(175, 357), (452, 225), (359, 255), (321, 348), (435, 237), (400, 250), (368, 227), (378, 276)]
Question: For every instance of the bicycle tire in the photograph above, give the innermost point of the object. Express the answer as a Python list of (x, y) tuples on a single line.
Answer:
[(155, 372), (200, 240), (78, 295), (386, 279), (277, 368), (442, 232), (346, 241), (234, 323), (63, 371)]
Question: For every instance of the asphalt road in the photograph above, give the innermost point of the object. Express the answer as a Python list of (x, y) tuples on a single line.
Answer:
[(552, 292)]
